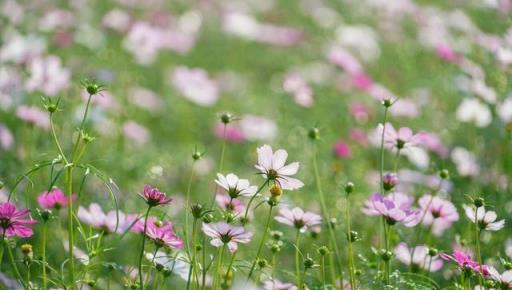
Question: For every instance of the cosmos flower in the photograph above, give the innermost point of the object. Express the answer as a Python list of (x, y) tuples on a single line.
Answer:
[(342, 149), (297, 218), (96, 218), (170, 263), (195, 85), (226, 234), (162, 234), (136, 132), (6, 138), (48, 76), (437, 213), (154, 197), (11, 222), (272, 166), (504, 279), (395, 207), (278, 285), (226, 203), (401, 139), (34, 116), (486, 220), (235, 186), (55, 199), (421, 258), (463, 260)]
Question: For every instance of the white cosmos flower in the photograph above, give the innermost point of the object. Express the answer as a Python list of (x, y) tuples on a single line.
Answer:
[(272, 166), (235, 186), (486, 219)]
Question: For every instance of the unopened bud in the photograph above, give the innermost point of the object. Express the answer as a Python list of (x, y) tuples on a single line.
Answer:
[(349, 187), (314, 134)]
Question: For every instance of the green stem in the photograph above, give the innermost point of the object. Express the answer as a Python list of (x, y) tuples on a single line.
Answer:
[(187, 208), (252, 199), (195, 276), (221, 162), (14, 266), (322, 270), (350, 250), (71, 262), (56, 140), (381, 171), (297, 260), (386, 263), (332, 235), (477, 245), (218, 271), (80, 129), (262, 242), (141, 279), (43, 252)]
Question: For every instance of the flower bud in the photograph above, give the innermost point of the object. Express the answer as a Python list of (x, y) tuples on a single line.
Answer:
[(353, 236), (389, 181), (323, 250), (90, 283), (349, 187), (309, 263), (208, 218), (387, 102), (276, 235), (507, 265), (244, 220), (275, 190), (45, 214), (197, 155), (197, 210), (199, 247), (432, 252), (444, 174), (358, 272), (273, 200), (28, 255), (229, 217), (262, 263), (478, 202), (314, 134), (333, 222), (226, 118), (385, 255), (275, 248), (159, 267)]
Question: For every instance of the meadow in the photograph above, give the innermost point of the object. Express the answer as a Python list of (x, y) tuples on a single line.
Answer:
[(255, 144)]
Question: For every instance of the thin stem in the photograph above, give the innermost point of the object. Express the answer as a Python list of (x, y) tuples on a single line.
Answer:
[(263, 238), (218, 271), (82, 124), (332, 235), (71, 262), (221, 162), (386, 244), (43, 252), (322, 270), (56, 140), (246, 214), (187, 208), (141, 279), (297, 260), (350, 250), (13, 264), (477, 245), (194, 253), (381, 171)]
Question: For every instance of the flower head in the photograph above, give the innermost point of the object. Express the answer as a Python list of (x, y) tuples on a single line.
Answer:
[(298, 218), (226, 234), (154, 197), (389, 180), (226, 203), (54, 199), (162, 234), (504, 279), (463, 260), (437, 213), (401, 139), (486, 220), (272, 166), (278, 285), (395, 207), (11, 222), (96, 218), (421, 258), (235, 186)]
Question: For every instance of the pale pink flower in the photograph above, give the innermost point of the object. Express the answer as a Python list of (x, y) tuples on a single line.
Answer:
[(295, 85), (447, 53), (235, 186), (359, 111), (486, 220), (361, 81), (136, 132), (421, 258), (395, 208), (437, 213), (195, 85), (297, 218), (226, 234), (144, 98), (117, 20), (6, 137), (11, 222), (22, 49), (272, 166), (232, 132), (504, 279), (258, 128), (228, 204), (278, 285), (144, 42), (108, 222), (34, 116), (345, 60), (401, 139), (47, 75), (55, 199), (359, 136)]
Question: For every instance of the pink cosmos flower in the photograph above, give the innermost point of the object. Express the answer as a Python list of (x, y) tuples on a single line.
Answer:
[(486, 220), (226, 234), (272, 166), (446, 53), (297, 218), (389, 180), (136, 132), (295, 85), (463, 260), (400, 139), (359, 136), (258, 128), (421, 257), (55, 199), (6, 138), (235, 186), (361, 81), (278, 285), (11, 222), (437, 213), (96, 218), (144, 98), (359, 111), (154, 197), (34, 116), (48, 76), (395, 207), (233, 133), (342, 149), (195, 85), (163, 235), (226, 203)]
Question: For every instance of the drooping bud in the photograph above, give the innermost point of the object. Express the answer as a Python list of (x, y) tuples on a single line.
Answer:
[(389, 181)]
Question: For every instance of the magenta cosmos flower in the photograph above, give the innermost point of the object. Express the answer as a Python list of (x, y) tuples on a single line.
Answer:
[(395, 208), (154, 197), (11, 222), (464, 261), (54, 199), (437, 213), (96, 218), (272, 166), (401, 139), (298, 218), (226, 234), (163, 235), (486, 220), (278, 285), (421, 257), (235, 186)]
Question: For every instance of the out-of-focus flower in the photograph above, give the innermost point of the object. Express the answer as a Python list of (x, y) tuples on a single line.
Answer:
[(171, 263), (504, 110), (136, 132), (143, 41), (48, 76), (447, 53), (96, 218), (342, 149), (297, 218), (486, 220), (359, 136), (465, 161), (362, 40), (437, 213), (432, 142), (296, 85), (226, 203), (421, 258), (22, 49), (485, 92), (504, 279), (226, 234), (258, 128), (395, 208), (154, 197), (117, 20), (78, 253), (471, 110), (272, 166), (230, 132), (404, 108), (55, 199), (278, 285), (195, 85), (235, 186), (6, 137), (359, 111), (144, 98), (11, 222), (401, 139), (34, 116)]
